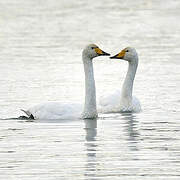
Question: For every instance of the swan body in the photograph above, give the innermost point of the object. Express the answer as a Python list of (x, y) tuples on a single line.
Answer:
[(54, 110), (58, 110), (123, 101)]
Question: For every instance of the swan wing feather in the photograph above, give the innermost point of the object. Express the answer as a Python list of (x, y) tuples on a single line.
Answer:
[(55, 110), (111, 104)]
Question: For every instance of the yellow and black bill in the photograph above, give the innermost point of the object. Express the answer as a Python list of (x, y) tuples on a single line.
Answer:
[(119, 55), (101, 52)]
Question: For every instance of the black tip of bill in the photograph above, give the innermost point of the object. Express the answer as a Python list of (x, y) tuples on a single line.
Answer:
[(105, 54), (113, 57)]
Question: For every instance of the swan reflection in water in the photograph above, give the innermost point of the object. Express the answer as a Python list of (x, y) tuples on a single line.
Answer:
[(91, 129), (91, 147), (131, 128)]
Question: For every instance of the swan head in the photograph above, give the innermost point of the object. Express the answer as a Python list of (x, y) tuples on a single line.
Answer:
[(91, 51), (128, 54)]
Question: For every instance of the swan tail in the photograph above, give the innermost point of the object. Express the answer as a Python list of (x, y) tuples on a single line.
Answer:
[(30, 116)]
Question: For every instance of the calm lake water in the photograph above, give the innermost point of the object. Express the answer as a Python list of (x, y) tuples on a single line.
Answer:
[(40, 60)]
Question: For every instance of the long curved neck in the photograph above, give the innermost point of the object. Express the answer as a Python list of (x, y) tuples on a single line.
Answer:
[(90, 110), (127, 88)]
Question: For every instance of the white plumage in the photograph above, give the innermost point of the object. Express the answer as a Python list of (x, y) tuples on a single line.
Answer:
[(123, 101), (58, 110), (111, 104), (55, 110)]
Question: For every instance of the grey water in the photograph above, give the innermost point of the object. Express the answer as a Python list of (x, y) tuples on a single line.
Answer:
[(40, 60)]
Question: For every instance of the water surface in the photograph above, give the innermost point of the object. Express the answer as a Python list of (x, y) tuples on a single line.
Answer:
[(40, 57)]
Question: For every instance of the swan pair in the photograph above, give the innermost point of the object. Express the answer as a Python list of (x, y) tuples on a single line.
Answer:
[(124, 103)]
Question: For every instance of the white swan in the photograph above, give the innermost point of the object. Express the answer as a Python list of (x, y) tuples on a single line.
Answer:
[(123, 101), (56, 110)]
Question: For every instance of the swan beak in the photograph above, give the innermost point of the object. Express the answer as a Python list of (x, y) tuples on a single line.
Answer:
[(119, 56), (101, 52)]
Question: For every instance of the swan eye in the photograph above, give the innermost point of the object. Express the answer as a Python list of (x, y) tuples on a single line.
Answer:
[(127, 50), (92, 47)]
